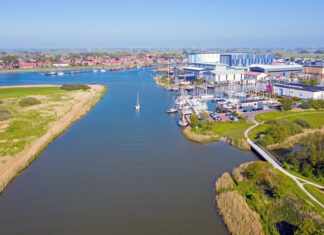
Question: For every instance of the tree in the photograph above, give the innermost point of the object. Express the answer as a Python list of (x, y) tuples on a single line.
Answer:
[(194, 120), (313, 82), (287, 103)]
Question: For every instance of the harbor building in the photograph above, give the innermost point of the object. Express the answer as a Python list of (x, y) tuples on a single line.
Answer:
[(299, 91), (277, 70), (224, 76), (231, 59)]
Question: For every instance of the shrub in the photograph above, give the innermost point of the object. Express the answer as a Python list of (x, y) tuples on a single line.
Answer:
[(303, 123), (72, 87), (305, 105), (4, 114), (287, 103), (1, 101), (29, 101)]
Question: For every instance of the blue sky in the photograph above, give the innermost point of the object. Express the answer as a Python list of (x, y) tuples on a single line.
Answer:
[(154, 23)]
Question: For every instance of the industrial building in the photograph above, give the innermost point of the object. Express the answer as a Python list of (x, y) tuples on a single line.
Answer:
[(277, 70), (315, 70), (299, 91), (222, 75), (231, 59)]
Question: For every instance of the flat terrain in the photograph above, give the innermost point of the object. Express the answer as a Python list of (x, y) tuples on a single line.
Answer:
[(32, 126)]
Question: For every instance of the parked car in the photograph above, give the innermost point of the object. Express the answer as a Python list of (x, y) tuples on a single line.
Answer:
[(215, 116)]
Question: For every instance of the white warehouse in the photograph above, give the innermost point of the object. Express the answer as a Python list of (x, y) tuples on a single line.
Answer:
[(300, 91), (224, 76)]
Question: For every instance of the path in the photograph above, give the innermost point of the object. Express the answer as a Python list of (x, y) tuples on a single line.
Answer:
[(268, 157)]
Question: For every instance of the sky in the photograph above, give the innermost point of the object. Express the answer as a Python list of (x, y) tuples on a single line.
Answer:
[(161, 24)]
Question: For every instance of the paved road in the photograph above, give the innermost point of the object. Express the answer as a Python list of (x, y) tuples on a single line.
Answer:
[(300, 182)]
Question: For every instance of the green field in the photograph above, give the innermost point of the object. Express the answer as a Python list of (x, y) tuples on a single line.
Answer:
[(233, 130), (281, 114), (316, 192), (25, 91)]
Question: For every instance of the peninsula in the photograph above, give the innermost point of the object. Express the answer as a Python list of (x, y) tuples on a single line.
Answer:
[(32, 116)]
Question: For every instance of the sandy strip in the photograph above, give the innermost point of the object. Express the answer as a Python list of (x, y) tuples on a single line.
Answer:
[(23, 159)]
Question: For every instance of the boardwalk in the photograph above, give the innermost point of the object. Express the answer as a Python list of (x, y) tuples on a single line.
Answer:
[(269, 158)]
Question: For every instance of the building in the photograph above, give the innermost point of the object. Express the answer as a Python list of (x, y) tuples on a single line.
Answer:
[(299, 91), (231, 59), (254, 75), (277, 70), (224, 76), (317, 71), (196, 71)]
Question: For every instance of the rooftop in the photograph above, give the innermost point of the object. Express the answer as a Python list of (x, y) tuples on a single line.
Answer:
[(300, 87), (276, 66)]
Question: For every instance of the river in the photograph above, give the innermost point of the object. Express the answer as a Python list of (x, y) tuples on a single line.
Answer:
[(118, 171)]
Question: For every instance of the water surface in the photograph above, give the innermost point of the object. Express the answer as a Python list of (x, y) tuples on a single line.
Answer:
[(118, 171)]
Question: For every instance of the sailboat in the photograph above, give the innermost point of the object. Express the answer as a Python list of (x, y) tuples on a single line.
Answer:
[(183, 121), (137, 106), (60, 73), (173, 108)]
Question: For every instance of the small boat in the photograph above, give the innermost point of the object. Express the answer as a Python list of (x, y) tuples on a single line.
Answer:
[(95, 70), (172, 110), (183, 122), (137, 106), (102, 70), (173, 107), (52, 73), (93, 82), (60, 73)]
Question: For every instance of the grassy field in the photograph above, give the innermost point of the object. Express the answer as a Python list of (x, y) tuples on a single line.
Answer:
[(26, 91), (296, 55), (234, 131), (280, 114), (33, 125), (316, 192), (264, 196)]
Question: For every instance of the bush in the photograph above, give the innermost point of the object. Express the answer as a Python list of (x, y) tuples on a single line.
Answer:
[(1, 101), (4, 114), (72, 87), (287, 103), (29, 101), (305, 105), (303, 123)]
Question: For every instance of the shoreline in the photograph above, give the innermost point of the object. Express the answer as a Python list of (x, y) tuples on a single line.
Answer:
[(206, 139), (28, 155)]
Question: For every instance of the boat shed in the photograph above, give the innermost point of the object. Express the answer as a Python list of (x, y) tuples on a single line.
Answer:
[(277, 70), (299, 91)]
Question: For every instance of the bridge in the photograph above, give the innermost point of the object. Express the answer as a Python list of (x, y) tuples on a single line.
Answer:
[(272, 160)]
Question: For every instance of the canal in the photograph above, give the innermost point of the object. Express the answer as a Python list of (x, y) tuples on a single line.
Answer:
[(118, 171)]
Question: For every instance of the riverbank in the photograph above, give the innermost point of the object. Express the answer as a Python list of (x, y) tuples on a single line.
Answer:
[(258, 199), (32, 126), (229, 132)]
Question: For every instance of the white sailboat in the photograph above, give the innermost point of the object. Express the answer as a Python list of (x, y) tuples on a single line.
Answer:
[(137, 106), (173, 108)]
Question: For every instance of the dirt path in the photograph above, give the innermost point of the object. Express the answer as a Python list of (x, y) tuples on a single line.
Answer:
[(24, 158)]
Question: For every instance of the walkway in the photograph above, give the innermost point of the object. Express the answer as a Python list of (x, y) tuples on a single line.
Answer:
[(268, 157)]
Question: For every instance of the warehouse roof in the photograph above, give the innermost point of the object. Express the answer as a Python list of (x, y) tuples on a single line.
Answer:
[(300, 87), (276, 66)]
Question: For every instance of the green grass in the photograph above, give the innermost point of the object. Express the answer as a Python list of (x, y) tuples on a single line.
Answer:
[(315, 119), (292, 206), (26, 91), (316, 192), (233, 130), (258, 129), (303, 177), (280, 114)]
